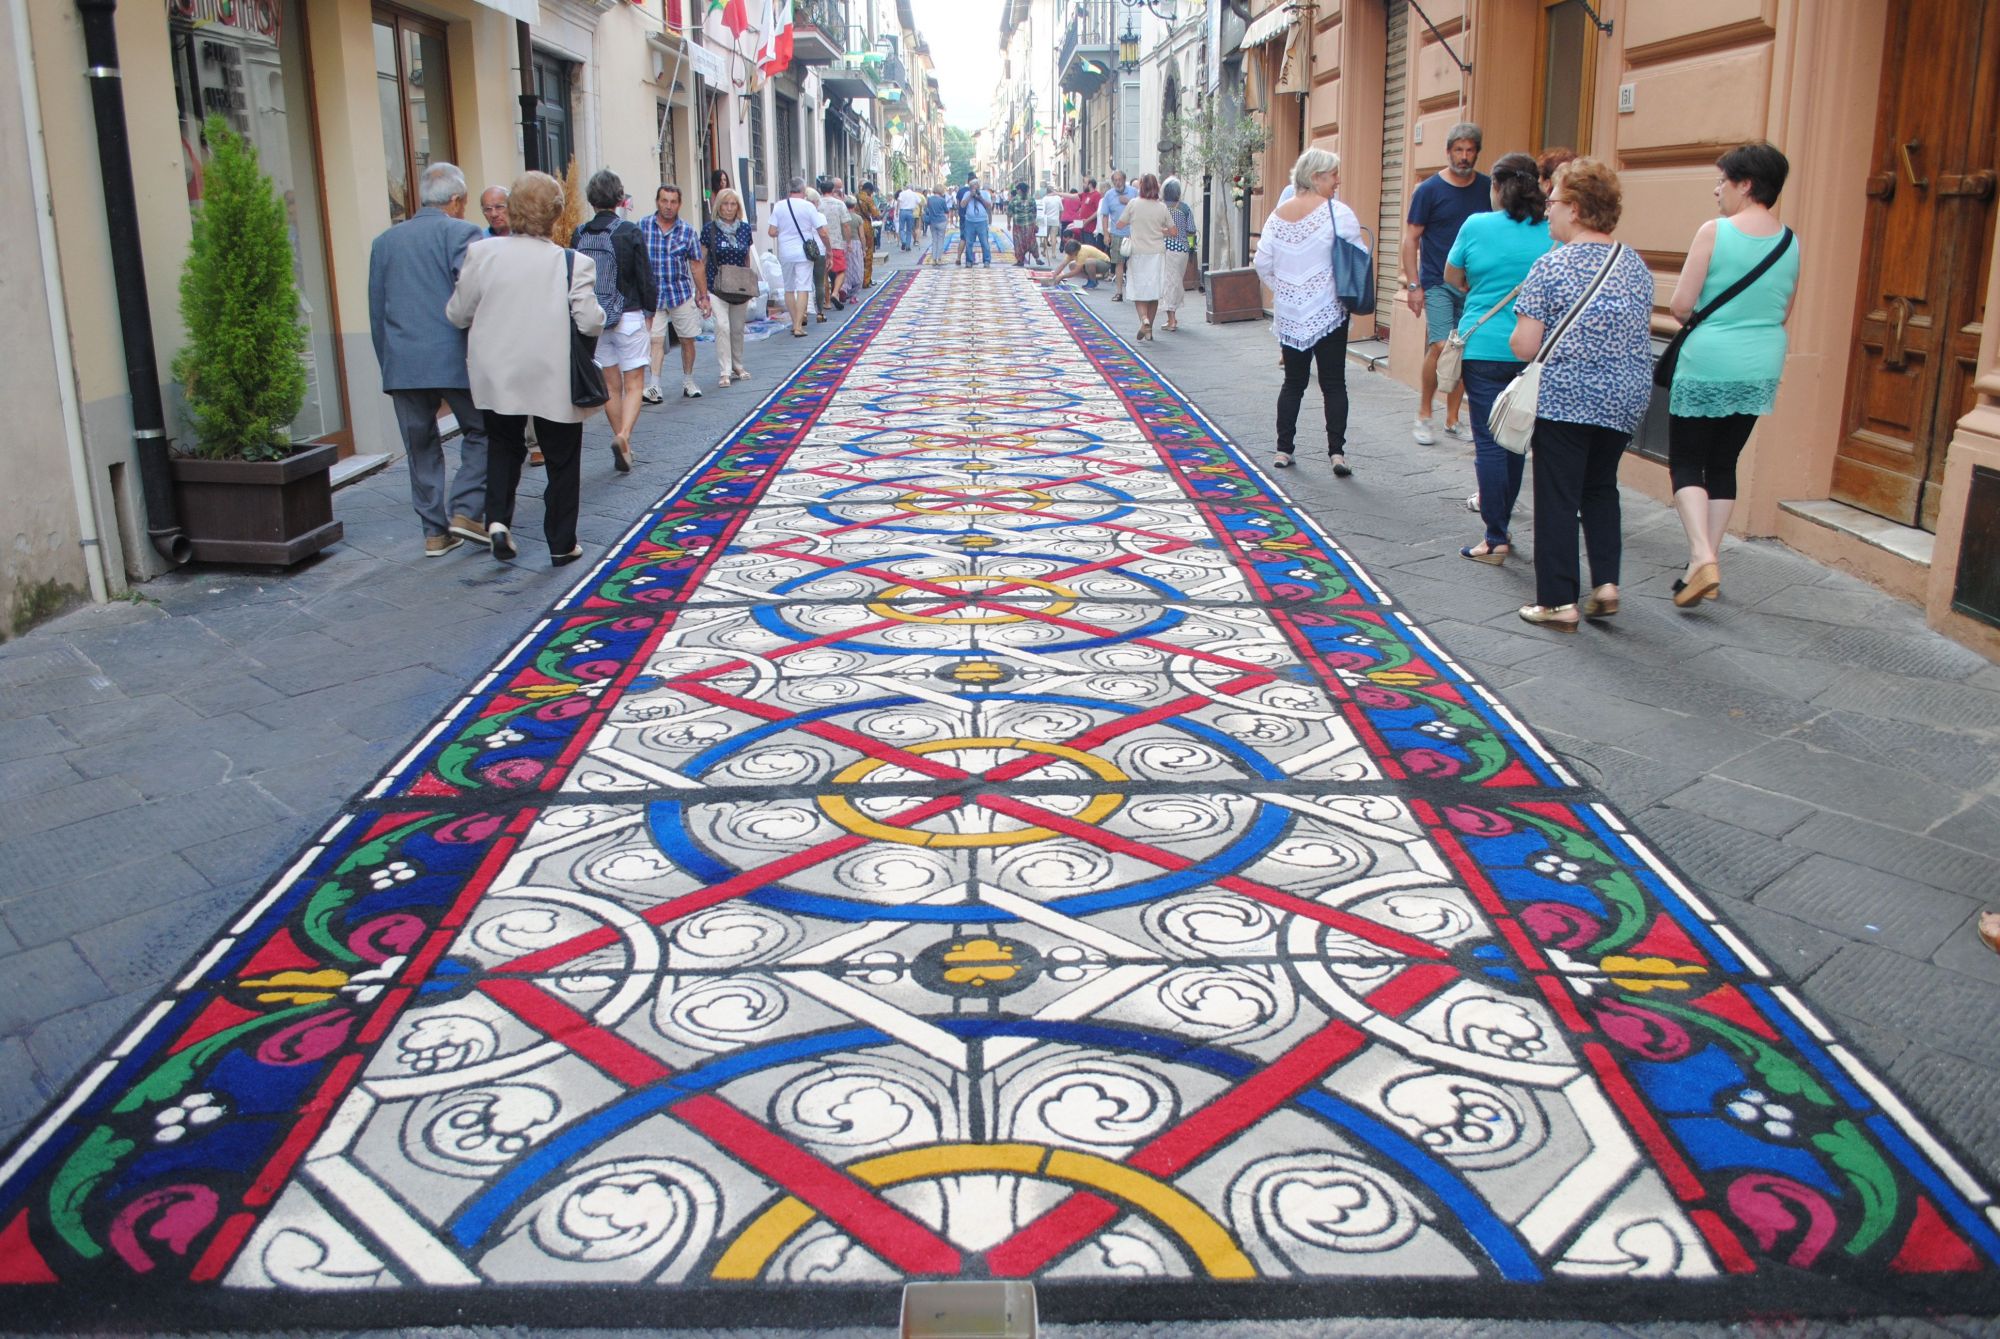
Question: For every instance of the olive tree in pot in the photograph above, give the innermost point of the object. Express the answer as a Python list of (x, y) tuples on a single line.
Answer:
[(247, 493), (1221, 143)]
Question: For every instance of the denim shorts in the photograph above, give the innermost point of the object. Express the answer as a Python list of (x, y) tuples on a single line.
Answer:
[(1443, 305)]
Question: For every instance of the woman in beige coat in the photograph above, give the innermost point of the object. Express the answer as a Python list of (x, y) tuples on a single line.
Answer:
[(513, 296)]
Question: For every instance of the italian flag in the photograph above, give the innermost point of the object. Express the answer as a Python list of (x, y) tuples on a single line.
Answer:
[(774, 49), (735, 15)]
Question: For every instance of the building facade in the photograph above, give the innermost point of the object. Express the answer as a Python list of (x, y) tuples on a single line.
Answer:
[(1883, 454), (347, 101)]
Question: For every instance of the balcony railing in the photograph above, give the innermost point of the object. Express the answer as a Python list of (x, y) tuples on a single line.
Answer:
[(818, 30), (1091, 40)]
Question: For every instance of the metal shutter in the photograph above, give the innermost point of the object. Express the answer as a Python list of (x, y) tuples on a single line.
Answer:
[(1389, 226)]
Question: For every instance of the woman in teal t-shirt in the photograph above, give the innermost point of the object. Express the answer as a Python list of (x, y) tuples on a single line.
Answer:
[(1727, 375), (1491, 257)]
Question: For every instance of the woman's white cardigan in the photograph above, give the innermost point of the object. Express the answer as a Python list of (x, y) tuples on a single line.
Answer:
[(1296, 261)]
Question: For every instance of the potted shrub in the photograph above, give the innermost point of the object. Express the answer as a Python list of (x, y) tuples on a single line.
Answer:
[(246, 492), (1222, 144)]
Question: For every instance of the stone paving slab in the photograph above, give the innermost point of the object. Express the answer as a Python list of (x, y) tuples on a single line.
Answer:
[(1835, 697)]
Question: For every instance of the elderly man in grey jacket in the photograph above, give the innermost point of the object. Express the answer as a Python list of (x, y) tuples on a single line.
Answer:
[(412, 269)]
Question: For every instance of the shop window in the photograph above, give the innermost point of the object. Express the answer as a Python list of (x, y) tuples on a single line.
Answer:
[(248, 64), (1565, 72), (413, 86), (669, 151), (554, 83), (757, 183)]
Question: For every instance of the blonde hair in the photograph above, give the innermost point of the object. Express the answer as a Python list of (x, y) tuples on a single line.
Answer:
[(1311, 164), (727, 196), (533, 203)]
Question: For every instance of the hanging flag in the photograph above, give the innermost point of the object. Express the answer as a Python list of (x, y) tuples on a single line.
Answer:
[(774, 51), (1092, 66), (735, 15)]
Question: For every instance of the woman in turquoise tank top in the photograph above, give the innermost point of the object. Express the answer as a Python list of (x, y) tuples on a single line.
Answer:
[(1729, 365)]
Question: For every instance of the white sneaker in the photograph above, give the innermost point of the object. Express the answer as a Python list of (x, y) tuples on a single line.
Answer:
[(689, 391), (1472, 503), (1462, 431), (1423, 433)]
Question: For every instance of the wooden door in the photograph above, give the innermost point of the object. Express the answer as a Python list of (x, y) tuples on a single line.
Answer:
[(1927, 246)]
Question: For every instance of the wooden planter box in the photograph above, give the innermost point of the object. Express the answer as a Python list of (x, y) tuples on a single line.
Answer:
[(1234, 295), (267, 513)]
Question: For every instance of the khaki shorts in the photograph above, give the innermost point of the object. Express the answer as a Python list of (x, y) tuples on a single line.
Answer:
[(685, 320)]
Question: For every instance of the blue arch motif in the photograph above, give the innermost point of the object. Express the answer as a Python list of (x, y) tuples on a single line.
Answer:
[(666, 820), (1485, 1229)]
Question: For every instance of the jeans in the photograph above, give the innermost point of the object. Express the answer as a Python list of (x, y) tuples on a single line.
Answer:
[(1576, 476), (1497, 469), (975, 231), (423, 446), (906, 227), (1331, 355), (562, 454), (937, 232)]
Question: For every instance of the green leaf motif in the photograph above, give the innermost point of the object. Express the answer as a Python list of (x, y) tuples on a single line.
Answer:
[(1627, 903), (94, 1159), (1566, 840), (171, 1077), (1781, 1074), (333, 895), (1870, 1176)]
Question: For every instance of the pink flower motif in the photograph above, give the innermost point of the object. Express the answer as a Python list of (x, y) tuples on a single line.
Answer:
[(1476, 822), (1560, 925), (1291, 590), (1642, 1031), (598, 669), (386, 936), (512, 773), (172, 1216), (1313, 618), (1777, 1206), (631, 623), (1383, 698), (1429, 762), (471, 828), (563, 708), (652, 595), (307, 1040)]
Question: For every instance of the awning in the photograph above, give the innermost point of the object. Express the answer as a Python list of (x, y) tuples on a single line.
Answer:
[(527, 11), (1271, 26)]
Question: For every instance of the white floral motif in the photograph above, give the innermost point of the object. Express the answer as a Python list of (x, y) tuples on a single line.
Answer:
[(193, 1110), (1564, 871), (1756, 1110), (391, 874), (1440, 730), (500, 739)]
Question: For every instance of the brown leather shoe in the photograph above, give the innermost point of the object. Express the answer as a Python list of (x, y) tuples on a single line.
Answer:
[(467, 528), (437, 546)]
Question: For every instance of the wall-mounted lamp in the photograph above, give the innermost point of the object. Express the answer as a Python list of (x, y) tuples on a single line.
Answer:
[(1128, 47)]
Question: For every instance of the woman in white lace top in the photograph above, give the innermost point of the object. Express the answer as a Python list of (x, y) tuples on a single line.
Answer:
[(1295, 259)]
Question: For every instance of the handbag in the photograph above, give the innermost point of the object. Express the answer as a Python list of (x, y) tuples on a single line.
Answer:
[(1512, 419), (586, 378), (1125, 248), (1353, 269), (1451, 358), (734, 284), (1670, 357), (812, 246)]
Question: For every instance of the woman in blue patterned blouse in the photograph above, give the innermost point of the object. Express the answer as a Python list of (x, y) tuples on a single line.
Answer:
[(725, 240), (1595, 385)]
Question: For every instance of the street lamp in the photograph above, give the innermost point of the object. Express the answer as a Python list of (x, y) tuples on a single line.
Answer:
[(1159, 9), (1128, 46)]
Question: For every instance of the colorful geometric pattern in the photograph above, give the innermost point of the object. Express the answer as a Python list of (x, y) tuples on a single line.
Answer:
[(978, 826)]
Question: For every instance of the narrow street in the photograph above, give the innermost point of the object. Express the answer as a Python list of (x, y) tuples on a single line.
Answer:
[(976, 821)]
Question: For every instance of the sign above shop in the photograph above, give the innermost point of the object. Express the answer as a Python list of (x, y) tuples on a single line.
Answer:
[(258, 20), (708, 64)]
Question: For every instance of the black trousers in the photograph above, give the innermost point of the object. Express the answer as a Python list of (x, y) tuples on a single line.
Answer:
[(1576, 478), (1331, 356), (562, 455), (1702, 452)]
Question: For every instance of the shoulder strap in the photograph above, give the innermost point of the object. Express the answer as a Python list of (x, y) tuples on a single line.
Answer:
[(1736, 289), (1495, 311), (1569, 317)]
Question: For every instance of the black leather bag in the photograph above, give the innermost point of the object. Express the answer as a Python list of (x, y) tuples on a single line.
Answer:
[(1670, 357), (586, 378), (812, 248)]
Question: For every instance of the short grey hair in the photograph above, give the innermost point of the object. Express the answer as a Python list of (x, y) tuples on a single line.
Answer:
[(796, 186), (440, 185), (605, 190), (1465, 130), (1170, 190), (1311, 163)]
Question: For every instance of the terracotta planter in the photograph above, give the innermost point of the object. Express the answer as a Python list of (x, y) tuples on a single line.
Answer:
[(1234, 295), (269, 513)]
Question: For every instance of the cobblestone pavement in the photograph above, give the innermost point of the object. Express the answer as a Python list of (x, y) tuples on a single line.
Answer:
[(1819, 762)]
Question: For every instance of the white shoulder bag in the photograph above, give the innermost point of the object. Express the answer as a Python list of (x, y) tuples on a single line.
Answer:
[(1512, 421), (1451, 358)]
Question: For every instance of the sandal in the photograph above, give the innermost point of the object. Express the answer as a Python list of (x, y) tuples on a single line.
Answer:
[(1284, 461), (1989, 929), (1492, 556), (1680, 586), (1704, 579), (1601, 606), (621, 456), (1562, 617), (1340, 469)]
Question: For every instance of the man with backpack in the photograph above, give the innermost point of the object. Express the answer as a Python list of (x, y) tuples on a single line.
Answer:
[(626, 291)]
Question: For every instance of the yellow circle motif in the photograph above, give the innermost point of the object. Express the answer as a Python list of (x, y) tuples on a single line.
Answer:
[(844, 812), (934, 504), (1064, 599)]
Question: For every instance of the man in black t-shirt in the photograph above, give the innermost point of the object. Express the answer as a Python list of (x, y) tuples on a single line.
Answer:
[(1437, 209)]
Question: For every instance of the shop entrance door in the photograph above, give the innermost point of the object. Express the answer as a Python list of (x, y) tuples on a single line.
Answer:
[(1927, 245)]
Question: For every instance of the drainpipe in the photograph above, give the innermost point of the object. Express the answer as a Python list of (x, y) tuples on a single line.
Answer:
[(531, 103), (38, 180), (128, 270)]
